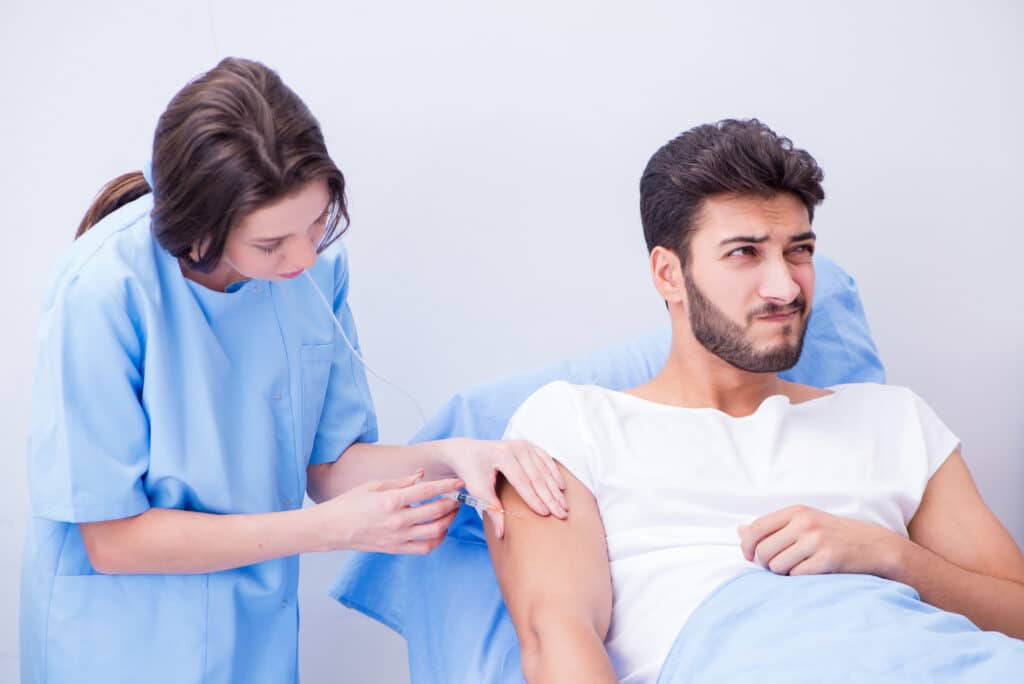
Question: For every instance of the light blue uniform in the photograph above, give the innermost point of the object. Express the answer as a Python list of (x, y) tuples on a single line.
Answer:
[(153, 391)]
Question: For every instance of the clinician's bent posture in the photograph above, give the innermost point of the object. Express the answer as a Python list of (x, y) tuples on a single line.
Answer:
[(190, 389)]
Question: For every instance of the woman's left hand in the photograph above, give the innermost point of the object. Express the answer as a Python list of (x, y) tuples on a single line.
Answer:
[(528, 468)]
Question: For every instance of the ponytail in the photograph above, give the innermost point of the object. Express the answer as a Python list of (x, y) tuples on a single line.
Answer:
[(115, 194)]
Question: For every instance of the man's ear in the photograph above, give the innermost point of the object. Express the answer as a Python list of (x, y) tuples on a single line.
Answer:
[(667, 274)]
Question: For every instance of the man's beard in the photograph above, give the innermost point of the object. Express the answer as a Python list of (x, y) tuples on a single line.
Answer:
[(727, 340)]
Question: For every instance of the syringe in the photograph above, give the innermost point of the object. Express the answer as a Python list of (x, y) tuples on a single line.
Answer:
[(479, 505)]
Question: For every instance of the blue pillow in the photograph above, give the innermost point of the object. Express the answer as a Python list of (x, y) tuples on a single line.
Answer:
[(447, 604)]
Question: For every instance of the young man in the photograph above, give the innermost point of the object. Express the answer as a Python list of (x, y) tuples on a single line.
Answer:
[(717, 467)]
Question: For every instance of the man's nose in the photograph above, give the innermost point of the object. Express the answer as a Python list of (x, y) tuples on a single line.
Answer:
[(778, 284)]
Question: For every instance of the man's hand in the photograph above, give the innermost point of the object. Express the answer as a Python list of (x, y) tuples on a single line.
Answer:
[(805, 541)]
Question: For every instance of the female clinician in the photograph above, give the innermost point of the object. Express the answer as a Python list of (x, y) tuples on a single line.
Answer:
[(190, 388)]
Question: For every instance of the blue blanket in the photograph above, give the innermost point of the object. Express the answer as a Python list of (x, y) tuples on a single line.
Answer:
[(772, 629)]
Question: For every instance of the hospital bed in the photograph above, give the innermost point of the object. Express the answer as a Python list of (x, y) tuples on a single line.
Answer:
[(447, 604)]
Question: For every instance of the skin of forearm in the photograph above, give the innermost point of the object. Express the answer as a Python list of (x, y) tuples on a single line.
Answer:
[(564, 650), (170, 541), (361, 463), (991, 603)]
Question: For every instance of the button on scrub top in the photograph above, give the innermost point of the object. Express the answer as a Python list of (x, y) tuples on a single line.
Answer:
[(153, 391)]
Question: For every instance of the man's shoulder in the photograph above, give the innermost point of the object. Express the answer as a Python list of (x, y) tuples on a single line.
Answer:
[(875, 401), (872, 391), (559, 400), (553, 395)]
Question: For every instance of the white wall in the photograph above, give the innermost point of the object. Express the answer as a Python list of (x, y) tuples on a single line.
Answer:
[(493, 152)]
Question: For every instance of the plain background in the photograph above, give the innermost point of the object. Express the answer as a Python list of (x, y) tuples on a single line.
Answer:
[(493, 152)]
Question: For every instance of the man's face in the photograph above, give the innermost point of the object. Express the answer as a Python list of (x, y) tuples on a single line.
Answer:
[(750, 280)]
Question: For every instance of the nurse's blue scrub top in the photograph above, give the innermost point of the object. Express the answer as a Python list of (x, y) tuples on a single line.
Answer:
[(151, 390)]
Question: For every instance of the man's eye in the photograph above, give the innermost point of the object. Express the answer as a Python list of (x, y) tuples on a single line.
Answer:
[(803, 250), (743, 251)]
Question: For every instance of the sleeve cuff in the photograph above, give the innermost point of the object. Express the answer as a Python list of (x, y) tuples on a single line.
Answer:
[(61, 511)]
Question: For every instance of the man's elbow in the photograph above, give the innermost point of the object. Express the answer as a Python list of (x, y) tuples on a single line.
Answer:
[(555, 637)]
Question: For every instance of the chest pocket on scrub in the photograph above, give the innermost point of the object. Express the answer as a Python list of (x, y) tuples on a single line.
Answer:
[(315, 360)]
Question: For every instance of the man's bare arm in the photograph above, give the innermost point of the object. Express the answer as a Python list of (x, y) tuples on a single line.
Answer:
[(963, 559), (555, 578), (958, 557)]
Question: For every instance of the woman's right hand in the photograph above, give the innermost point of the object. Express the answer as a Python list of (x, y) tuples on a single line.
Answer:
[(378, 516)]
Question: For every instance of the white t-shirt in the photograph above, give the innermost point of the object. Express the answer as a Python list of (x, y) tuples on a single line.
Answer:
[(673, 483)]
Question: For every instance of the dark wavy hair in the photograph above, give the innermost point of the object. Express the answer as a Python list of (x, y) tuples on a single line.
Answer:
[(231, 141), (731, 157)]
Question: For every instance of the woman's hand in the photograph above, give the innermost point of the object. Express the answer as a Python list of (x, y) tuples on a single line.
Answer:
[(379, 516), (526, 467), (806, 541)]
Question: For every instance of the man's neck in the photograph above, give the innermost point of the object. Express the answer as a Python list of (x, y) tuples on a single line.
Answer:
[(695, 378)]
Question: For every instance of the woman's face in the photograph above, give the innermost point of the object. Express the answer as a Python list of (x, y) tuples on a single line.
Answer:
[(276, 242)]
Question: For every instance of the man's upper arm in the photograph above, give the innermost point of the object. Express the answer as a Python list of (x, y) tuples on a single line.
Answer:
[(954, 522), (554, 573)]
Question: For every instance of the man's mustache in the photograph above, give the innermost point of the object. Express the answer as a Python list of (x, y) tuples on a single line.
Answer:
[(798, 305)]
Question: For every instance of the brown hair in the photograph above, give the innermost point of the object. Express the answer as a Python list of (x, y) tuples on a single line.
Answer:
[(231, 141), (742, 157)]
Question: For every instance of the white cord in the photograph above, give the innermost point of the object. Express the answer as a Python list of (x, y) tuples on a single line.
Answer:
[(337, 324)]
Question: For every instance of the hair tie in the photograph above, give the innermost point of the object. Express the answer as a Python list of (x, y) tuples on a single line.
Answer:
[(147, 173)]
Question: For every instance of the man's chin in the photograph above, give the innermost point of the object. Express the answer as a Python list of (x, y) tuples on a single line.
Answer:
[(776, 359)]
